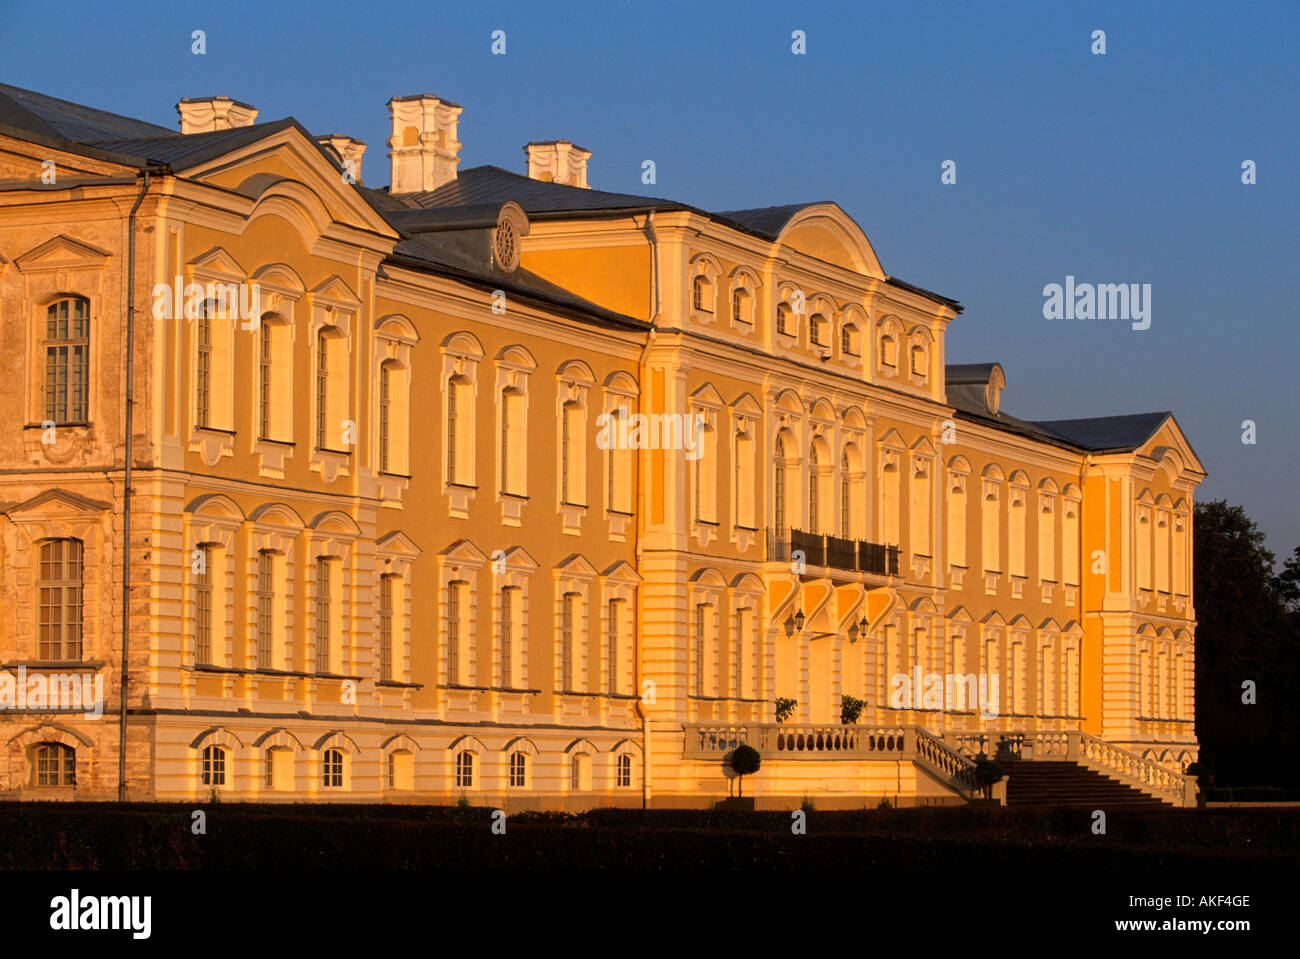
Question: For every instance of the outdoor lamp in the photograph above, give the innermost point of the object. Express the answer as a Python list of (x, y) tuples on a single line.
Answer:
[(799, 620)]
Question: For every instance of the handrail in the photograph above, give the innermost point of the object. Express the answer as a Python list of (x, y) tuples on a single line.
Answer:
[(1087, 750), (830, 741)]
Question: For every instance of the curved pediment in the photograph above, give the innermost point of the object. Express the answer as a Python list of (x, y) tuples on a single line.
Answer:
[(826, 232)]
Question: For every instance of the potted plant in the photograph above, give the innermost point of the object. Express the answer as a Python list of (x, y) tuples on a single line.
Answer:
[(850, 709)]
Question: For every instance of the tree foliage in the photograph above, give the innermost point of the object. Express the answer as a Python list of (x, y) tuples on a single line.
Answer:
[(1248, 630)]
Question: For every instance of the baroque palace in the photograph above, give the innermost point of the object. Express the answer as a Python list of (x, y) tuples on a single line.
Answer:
[(495, 485)]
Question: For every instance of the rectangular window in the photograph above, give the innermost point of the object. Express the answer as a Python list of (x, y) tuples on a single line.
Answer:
[(454, 599), (509, 595), (59, 598), (569, 624), (323, 637), (264, 384), (615, 627), (322, 389), (265, 607), (383, 418), (386, 627), (203, 607), (203, 368), (67, 344)]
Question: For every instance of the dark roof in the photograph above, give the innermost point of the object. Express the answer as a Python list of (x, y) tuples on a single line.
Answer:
[(766, 221), (1104, 434), (50, 116), (429, 251), (489, 184), (968, 373), (180, 152)]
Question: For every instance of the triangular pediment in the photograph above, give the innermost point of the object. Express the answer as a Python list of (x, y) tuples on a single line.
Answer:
[(1169, 442), (576, 565), (217, 262), (54, 502), (397, 543), (62, 253), (337, 293), (285, 163)]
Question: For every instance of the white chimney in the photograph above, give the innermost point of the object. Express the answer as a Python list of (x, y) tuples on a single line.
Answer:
[(423, 147), (347, 150), (206, 114), (557, 161)]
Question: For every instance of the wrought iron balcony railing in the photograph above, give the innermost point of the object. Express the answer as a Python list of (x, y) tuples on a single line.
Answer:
[(833, 552)]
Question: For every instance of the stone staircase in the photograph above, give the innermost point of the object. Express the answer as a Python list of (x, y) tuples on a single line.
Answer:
[(1063, 783)]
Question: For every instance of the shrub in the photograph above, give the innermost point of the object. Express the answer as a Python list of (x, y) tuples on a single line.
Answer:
[(745, 760), (850, 709)]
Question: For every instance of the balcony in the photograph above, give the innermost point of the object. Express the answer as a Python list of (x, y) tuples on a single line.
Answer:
[(832, 552)]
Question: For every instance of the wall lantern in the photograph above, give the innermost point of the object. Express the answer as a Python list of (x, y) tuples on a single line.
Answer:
[(799, 620)]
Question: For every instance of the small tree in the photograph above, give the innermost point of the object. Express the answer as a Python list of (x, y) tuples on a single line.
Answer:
[(785, 708), (850, 709), (987, 772), (745, 761)]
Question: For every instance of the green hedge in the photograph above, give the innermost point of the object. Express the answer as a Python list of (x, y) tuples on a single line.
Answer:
[(248, 836)]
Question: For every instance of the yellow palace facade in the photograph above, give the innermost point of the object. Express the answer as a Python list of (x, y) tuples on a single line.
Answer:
[(498, 486)]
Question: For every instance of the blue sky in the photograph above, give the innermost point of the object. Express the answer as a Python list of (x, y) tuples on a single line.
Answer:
[(1122, 168)]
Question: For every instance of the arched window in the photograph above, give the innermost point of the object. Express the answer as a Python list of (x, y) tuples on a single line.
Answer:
[(740, 305), (67, 360), (705, 650), (465, 769), (518, 770), (332, 769), (580, 772), (573, 470), (460, 432), (331, 370), (214, 766), (623, 768), (846, 497), (274, 379), (702, 294), (991, 547), (888, 351), (919, 360), (849, 340), (401, 769), (1016, 531), (513, 445), (59, 587), (957, 521), (620, 463), (55, 764), (819, 329), (783, 319)]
